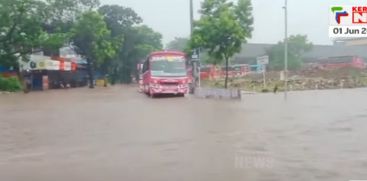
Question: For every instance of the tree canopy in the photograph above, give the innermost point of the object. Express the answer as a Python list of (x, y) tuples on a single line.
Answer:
[(139, 40), (112, 38), (60, 18), (178, 44), (119, 18), (90, 37), (20, 29), (297, 46)]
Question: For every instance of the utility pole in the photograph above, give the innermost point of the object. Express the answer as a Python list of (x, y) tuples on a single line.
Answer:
[(195, 64), (286, 50), (191, 16)]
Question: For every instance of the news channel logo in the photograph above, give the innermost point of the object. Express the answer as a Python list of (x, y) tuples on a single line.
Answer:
[(348, 22)]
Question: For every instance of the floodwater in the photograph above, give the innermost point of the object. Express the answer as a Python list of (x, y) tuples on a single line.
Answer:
[(117, 134)]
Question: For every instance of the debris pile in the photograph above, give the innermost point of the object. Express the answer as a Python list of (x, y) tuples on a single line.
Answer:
[(301, 80)]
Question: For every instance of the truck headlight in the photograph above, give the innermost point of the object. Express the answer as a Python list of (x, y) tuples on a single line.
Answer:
[(154, 81)]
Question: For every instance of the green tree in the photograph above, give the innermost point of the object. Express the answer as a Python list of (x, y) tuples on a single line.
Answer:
[(120, 20), (222, 29), (179, 44), (139, 42), (26, 25), (297, 44), (92, 40), (66, 10), (61, 15), (20, 29)]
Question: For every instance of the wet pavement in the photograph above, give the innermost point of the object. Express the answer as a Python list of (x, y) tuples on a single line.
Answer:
[(118, 134)]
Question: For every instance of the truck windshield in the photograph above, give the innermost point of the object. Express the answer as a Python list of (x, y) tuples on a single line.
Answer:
[(168, 66)]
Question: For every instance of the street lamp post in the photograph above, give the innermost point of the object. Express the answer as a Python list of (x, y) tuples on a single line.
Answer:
[(286, 50)]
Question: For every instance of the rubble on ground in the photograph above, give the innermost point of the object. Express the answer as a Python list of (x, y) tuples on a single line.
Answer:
[(301, 80)]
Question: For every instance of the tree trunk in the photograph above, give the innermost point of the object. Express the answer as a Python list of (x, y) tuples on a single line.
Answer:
[(90, 73), (226, 80), (22, 81), (113, 77)]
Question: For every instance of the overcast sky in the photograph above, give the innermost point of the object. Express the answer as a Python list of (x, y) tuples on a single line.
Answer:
[(311, 17)]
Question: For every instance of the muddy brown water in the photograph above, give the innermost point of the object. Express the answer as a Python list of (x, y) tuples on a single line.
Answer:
[(118, 134)]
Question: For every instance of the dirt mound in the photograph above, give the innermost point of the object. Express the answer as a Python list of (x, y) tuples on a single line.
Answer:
[(300, 80)]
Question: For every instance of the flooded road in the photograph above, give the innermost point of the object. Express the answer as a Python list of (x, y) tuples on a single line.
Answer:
[(118, 134)]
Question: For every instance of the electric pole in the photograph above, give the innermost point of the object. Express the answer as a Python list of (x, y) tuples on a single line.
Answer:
[(191, 16), (286, 50), (195, 63)]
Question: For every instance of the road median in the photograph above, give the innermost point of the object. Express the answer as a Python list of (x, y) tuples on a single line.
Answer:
[(217, 93)]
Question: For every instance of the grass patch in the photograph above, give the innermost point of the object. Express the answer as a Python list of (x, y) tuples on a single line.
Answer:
[(11, 84)]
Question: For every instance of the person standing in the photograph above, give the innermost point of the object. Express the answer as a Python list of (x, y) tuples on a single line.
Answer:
[(275, 90)]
